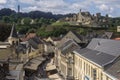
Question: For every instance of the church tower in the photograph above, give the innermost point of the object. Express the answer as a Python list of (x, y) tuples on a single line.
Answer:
[(13, 38)]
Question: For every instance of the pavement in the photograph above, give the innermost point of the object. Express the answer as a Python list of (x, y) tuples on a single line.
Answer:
[(52, 71)]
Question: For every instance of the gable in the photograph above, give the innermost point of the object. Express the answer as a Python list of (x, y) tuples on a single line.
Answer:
[(73, 35)]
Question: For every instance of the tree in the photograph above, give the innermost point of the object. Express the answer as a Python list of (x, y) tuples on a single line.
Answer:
[(58, 31), (27, 21), (4, 31), (31, 30), (6, 19)]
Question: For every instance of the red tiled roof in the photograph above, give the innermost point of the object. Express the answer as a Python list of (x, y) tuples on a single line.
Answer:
[(28, 36), (117, 39)]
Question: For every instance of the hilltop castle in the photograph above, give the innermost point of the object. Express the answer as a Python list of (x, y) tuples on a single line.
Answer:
[(85, 18)]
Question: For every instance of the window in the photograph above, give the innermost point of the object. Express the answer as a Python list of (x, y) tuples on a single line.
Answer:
[(86, 78), (101, 76), (94, 74)]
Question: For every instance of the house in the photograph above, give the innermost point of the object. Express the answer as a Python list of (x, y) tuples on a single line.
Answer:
[(100, 60), (12, 54), (36, 47), (16, 72), (79, 39), (54, 40), (5, 53), (48, 47), (103, 34), (11, 65), (32, 66), (63, 57)]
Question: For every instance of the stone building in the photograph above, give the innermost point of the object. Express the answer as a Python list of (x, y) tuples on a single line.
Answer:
[(98, 61), (66, 59), (10, 60), (78, 38), (87, 19)]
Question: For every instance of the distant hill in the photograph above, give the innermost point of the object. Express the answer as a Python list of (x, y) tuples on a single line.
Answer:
[(32, 14)]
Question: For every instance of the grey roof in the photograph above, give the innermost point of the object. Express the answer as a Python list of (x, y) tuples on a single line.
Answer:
[(103, 35), (107, 46), (69, 46), (13, 32), (34, 63), (107, 35), (114, 70), (97, 57), (37, 40), (34, 42), (101, 51), (75, 36), (21, 48)]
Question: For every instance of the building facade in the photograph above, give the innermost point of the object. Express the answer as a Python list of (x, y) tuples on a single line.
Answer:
[(98, 61)]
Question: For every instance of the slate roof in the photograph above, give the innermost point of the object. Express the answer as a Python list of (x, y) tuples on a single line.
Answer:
[(34, 42), (103, 35), (78, 38), (95, 56), (107, 35), (69, 46), (111, 47), (21, 48), (114, 69), (34, 63), (103, 52)]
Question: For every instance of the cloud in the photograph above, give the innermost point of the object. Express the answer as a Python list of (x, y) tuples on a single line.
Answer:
[(55, 6), (106, 8), (103, 7), (64, 6), (32, 2), (31, 8), (3, 1)]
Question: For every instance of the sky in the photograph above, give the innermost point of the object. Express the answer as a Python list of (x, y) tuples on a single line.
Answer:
[(110, 7)]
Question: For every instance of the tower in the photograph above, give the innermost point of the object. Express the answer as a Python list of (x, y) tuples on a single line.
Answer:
[(13, 38), (18, 8), (80, 10)]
